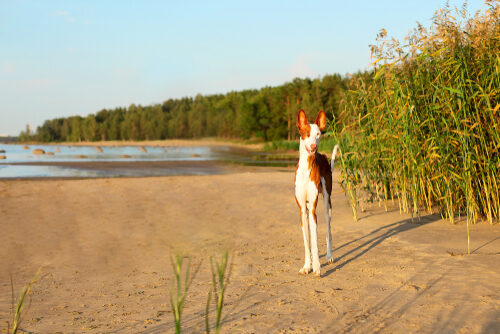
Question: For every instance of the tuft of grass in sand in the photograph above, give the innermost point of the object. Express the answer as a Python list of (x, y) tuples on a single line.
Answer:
[(17, 311), (220, 281), (180, 287), (183, 278)]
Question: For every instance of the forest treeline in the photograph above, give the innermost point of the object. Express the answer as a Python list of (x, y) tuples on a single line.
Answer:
[(268, 113)]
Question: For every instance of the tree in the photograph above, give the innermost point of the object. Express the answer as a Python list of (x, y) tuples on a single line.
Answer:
[(269, 113)]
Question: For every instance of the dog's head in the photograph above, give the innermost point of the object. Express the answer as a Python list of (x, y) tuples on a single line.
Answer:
[(310, 134)]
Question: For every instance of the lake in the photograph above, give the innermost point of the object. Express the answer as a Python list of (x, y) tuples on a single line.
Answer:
[(63, 161)]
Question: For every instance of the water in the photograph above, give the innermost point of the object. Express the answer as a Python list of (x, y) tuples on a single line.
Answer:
[(16, 153), (67, 161), (21, 171)]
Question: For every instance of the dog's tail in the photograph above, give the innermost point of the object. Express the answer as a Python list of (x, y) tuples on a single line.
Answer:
[(334, 154)]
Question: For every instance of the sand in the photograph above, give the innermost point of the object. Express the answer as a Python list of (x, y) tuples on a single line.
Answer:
[(104, 247)]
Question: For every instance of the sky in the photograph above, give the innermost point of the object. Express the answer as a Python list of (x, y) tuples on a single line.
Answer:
[(65, 58)]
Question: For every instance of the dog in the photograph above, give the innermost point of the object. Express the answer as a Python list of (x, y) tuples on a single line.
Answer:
[(312, 177)]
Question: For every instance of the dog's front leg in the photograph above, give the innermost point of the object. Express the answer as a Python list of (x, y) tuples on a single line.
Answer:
[(306, 269), (314, 237)]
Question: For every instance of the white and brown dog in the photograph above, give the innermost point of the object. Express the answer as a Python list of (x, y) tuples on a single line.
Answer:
[(313, 176)]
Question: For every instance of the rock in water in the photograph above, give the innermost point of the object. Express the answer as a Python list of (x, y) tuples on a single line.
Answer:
[(38, 151)]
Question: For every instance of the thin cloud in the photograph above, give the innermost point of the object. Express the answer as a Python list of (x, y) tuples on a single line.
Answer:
[(61, 13), (64, 14)]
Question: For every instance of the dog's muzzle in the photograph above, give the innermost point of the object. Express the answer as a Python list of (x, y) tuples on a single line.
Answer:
[(311, 150)]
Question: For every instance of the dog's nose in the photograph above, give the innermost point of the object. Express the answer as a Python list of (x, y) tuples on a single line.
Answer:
[(313, 147)]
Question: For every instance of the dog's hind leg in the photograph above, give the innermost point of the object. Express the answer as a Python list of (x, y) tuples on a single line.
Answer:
[(328, 214)]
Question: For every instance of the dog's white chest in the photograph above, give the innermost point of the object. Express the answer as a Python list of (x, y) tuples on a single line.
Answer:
[(304, 187), (302, 174)]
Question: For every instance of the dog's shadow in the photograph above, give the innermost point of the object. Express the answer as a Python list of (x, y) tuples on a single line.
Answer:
[(374, 238)]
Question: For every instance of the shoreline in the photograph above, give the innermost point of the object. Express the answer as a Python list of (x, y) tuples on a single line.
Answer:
[(144, 169), (214, 142)]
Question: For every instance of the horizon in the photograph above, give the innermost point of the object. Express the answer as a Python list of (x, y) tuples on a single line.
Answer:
[(64, 59)]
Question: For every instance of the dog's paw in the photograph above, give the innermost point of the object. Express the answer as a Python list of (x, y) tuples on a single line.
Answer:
[(329, 259), (304, 271), (317, 273)]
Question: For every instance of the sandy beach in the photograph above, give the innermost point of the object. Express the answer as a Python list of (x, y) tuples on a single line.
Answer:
[(104, 248)]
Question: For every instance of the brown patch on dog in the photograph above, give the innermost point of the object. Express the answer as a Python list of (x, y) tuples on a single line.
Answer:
[(305, 131), (314, 210), (303, 125), (320, 168)]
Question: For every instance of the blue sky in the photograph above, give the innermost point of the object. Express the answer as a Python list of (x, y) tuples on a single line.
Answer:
[(64, 58)]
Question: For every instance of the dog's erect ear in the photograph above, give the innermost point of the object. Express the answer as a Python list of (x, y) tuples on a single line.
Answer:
[(321, 120), (301, 119)]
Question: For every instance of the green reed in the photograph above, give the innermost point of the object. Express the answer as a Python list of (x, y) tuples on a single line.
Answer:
[(423, 126), (17, 311), (220, 281), (180, 287), (183, 277)]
